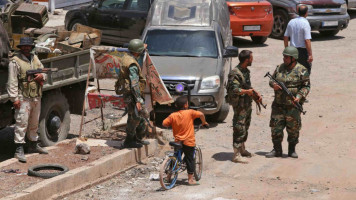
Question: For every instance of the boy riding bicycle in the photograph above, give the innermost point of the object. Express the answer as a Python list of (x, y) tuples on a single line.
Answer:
[(182, 123)]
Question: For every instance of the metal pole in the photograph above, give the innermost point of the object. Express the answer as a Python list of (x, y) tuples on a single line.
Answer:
[(53, 5), (102, 104), (83, 111)]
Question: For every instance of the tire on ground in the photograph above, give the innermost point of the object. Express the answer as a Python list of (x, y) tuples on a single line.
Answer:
[(280, 22), (54, 106), (36, 170), (73, 24), (259, 39), (221, 115)]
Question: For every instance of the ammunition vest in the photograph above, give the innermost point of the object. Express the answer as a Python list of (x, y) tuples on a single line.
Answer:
[(29, 89), (292, 80), (232, 97), (122, 85)]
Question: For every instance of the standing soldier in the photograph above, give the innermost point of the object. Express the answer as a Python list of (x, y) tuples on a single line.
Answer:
[(239, 95), (132, 84), (26, 96), (284, 114)]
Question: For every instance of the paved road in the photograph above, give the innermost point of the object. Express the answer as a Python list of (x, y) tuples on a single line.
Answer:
[(327, 163)]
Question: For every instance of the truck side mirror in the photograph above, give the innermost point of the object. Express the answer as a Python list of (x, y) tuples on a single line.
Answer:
[(230, 51)]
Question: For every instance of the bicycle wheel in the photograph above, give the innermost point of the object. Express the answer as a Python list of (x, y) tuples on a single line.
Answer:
[(168, 173), (198, 159)]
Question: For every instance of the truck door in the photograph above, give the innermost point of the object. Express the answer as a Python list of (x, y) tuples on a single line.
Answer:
[(133, 19), (107, 17)]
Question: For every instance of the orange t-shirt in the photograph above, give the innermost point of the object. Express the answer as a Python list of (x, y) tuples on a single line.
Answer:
[(182, 123)]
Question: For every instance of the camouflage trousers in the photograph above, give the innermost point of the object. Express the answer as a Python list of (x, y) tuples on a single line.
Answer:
[(241, 123), (136, 127), (285, 117), (27, 118)]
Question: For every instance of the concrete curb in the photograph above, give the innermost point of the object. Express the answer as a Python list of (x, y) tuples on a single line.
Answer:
[(86, 175)]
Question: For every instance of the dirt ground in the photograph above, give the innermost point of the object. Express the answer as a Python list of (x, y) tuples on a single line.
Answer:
[(11, 183), (326, 165)]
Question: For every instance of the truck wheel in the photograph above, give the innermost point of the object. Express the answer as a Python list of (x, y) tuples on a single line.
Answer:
[(329, 33), (221, 115), (54, 119), (74, 23), (280, 22), (259, 39)]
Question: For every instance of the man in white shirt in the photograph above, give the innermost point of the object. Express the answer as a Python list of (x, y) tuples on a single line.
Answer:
[(299, 33)]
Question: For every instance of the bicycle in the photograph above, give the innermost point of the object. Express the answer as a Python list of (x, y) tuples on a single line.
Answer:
[(174, 164)]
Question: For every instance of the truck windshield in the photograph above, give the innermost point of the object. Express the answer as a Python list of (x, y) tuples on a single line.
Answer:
[(181, 43)]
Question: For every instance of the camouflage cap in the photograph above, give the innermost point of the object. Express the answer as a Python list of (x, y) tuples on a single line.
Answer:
[(291, 51)]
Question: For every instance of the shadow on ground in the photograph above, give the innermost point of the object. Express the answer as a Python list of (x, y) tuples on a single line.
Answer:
[(317, 37), (352, 13), (223, 156), (262, 153), (241, 42)]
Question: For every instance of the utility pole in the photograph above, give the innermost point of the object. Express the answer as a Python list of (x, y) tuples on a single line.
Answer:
[(52, 5)]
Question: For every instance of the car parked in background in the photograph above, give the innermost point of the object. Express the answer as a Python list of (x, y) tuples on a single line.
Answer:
[(190, 43), (326, 16), (252, 18), (351, 3), (120, 20)]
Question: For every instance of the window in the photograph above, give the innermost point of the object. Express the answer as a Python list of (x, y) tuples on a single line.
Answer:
[(113, 4), (140, 5), (182, 43)]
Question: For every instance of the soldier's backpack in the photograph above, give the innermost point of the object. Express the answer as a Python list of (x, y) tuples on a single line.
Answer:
[(231, 97)]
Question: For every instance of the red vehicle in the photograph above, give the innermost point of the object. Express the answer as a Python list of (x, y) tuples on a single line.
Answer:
[(252, 18)]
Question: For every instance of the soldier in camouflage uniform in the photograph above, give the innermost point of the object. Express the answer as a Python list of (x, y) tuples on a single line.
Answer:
[(26, 97), (239, 95), (131, 84), (284, 115)]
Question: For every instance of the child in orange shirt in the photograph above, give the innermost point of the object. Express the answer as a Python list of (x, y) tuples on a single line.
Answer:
[(182, 123)]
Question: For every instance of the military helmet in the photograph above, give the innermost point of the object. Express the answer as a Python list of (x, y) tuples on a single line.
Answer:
[(136, 46), (291, 51)]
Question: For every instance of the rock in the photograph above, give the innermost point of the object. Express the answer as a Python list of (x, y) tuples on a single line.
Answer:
[(154, 177), (57, 11), (85, 158), (314, 190), (82, 148)]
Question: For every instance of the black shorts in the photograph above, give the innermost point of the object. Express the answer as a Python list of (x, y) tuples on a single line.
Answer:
[(189, 158)]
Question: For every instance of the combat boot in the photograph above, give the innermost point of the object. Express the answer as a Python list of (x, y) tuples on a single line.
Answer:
[(244, 152), (291, 151), (237, 158), (34, 147), (143, 142), (131, 143), (276, 152), (19, 153)]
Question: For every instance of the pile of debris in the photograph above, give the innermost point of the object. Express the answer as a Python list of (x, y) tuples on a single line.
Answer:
[(64, 42)]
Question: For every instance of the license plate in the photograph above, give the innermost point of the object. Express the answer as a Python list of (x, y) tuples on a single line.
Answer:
[(252, 28), (330, 23)]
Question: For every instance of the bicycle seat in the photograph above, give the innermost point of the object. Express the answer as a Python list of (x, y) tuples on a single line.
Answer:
[(176, 145)]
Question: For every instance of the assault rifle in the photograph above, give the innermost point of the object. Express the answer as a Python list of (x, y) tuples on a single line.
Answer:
[(254, 97), (289, 93), (30, 73)]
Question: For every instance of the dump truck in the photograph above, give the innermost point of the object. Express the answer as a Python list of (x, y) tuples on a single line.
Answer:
[(63, 91)]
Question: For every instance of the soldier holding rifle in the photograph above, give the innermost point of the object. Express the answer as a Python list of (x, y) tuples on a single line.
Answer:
[(288, 101), (25, 93), (240, 95)]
